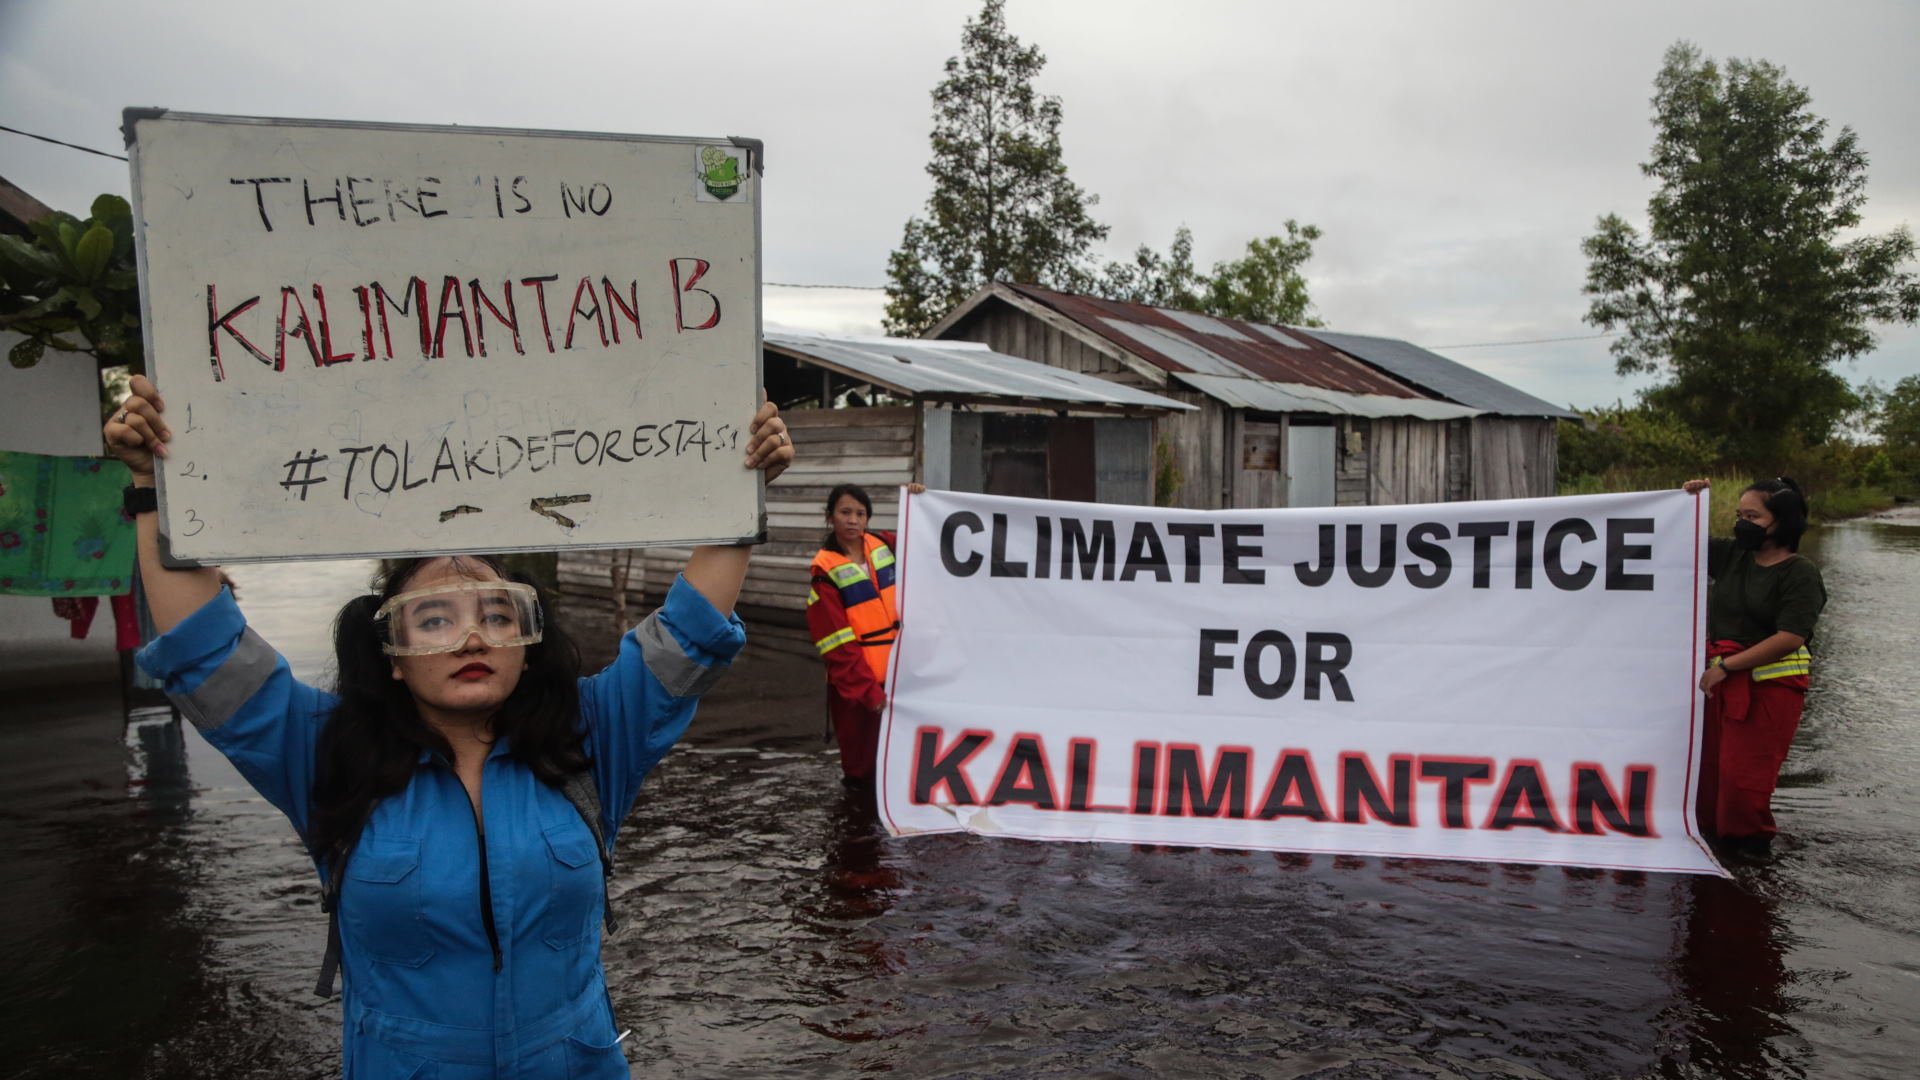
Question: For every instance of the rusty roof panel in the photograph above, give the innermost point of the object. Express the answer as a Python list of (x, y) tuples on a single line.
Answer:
[(1211, 345)]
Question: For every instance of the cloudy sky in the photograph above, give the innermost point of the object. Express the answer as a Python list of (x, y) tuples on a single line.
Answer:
[(1453, 153)]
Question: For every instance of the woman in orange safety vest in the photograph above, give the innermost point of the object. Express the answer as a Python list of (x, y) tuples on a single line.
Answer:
[(1761, 610), (851, 614)]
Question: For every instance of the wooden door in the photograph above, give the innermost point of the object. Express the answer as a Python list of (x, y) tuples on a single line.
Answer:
[(1258, 486)]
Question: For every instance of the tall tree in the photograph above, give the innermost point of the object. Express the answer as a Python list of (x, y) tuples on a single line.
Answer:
[(1002, 207), (1264, 285), (1742, 294)]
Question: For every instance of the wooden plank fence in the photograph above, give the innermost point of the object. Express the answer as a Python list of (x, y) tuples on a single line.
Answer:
[(877, 448)]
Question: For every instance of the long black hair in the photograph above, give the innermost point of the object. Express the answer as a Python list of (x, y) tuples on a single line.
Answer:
[(859, 494), (371, 744), (1788, 505)]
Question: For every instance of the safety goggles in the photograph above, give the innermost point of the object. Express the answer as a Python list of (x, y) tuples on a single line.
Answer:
[(442, 618)]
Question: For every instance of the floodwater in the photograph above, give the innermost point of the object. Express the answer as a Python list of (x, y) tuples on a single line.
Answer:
[(160, 920)]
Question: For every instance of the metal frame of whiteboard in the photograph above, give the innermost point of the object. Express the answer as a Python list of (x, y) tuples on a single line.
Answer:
[(756, 164)]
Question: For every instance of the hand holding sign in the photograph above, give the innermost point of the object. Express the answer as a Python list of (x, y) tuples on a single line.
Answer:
[(136, 434), (769, 447)]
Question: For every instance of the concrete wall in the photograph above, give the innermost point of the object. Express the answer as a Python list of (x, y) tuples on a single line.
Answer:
[(52, 407)]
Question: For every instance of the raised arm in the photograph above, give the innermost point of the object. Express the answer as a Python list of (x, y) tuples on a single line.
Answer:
[(717, 572), (235, 689), (137, 434)]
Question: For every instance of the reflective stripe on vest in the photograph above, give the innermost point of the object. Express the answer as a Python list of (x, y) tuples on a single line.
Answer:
[(1797, 662), (868, 600)]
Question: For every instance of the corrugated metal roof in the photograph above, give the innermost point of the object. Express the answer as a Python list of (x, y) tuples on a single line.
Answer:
[(1263, 396), (1195, 343), (1205, 324), (1273, 333), (1438, 375), (915, 367), (1189, 355)]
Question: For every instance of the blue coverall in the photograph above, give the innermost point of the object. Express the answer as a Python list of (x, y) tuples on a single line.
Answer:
[(423, 993)]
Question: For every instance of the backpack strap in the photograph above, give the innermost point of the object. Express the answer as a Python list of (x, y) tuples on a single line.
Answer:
[(584, 793), (332, 866), (330, 962)]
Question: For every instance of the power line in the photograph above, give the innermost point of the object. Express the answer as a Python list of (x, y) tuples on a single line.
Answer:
[(1530, 341), (883, 288), (68, 145), (797, 285)]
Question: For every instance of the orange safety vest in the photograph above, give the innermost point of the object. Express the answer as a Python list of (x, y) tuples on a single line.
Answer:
[(871, 617)]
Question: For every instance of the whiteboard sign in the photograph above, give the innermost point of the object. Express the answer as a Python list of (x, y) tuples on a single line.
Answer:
[(380, 339)]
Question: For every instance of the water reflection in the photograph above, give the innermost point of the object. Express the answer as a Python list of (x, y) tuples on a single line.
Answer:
[(1732, 977), (157, 765), (164, 924)]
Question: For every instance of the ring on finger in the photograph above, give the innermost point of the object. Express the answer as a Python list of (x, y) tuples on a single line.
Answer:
[(122, 418)]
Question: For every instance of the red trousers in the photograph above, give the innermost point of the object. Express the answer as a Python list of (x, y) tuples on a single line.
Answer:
[(1749, 727), (857, 729)]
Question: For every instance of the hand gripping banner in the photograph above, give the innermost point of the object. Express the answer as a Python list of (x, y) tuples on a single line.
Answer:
[(1507, 681)]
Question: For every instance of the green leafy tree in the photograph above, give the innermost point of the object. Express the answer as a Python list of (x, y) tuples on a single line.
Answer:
[(1652, 447), (72, 287), (1896, 419), (1002, 207), (1152, 278), (1742, 295), (1264, 285), (1897, 415)]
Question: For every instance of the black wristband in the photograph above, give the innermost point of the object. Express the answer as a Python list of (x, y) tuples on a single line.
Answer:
[(139, 500)]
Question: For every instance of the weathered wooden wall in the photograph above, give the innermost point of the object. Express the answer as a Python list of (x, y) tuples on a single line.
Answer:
[(1006, 329), (1350, 483), (1407, 461), (1459, 460), (1514, 457), (1199, 440), (876, 448)]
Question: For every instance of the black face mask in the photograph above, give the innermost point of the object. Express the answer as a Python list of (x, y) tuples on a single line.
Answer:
[(1748, 535)]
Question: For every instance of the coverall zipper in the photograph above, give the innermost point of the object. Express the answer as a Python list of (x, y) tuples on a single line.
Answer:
[(486, 890)]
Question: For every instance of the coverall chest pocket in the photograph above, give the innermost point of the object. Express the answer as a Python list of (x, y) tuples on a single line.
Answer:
[(574, 895), (380, 902)]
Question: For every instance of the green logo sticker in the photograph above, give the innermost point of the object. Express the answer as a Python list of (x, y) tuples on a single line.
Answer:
[(722, 173)]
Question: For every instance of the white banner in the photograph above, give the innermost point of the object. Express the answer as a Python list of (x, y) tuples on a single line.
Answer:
[(1508, 681)]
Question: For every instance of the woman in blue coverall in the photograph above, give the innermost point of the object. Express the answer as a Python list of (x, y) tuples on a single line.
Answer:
[(430, 785)]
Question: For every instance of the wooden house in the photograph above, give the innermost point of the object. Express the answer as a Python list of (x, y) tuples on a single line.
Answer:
[(1285, 416), (882, 412)]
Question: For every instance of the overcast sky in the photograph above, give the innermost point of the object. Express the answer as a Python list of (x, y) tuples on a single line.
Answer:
[(1454, 154)]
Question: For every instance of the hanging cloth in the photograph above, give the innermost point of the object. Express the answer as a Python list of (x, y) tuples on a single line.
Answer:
[(62, 532)]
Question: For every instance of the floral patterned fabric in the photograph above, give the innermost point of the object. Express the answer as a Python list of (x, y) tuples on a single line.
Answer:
[(61, 529)]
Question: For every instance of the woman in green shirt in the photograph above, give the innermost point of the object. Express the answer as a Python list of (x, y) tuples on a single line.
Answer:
[(1761, 609)]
